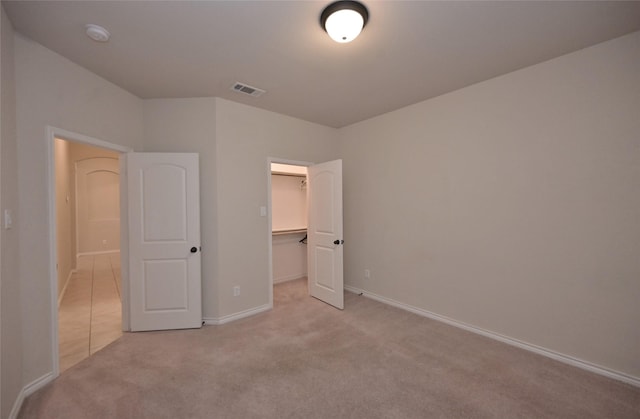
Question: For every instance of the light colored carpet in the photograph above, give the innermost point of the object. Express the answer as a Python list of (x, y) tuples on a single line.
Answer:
[(305, 359)]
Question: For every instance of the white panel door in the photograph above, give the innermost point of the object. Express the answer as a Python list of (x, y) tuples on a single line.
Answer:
[(324, 251), (97, 205), (164, 241)]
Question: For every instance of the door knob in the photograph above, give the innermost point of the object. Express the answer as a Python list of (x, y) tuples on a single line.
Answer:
[(338, 242), (194, 249)]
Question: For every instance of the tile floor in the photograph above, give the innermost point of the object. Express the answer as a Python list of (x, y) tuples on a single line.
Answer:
[(90, 313)]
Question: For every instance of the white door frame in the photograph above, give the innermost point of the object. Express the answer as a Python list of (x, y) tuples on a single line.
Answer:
[(269, 206), (52, 134)]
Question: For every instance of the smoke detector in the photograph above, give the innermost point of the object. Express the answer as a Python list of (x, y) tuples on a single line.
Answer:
[(247, 90), (97, 33)]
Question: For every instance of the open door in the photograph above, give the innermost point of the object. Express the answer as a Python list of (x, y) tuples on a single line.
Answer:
[(164, 241), (325, 250)]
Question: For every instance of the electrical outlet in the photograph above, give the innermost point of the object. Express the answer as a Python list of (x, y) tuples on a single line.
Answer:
[(367, 274), (236, 291)]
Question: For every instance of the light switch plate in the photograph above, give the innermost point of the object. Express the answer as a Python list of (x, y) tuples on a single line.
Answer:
[(8, 219), (263, 211)]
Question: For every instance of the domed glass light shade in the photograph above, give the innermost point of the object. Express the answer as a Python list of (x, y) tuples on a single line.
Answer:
[(344, 20)]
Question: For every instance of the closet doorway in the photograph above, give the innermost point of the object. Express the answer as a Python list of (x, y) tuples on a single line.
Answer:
[(87, 199), (321, 220), (288, 222)]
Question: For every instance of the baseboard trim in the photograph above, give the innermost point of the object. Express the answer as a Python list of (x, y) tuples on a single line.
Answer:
[(28, 390), (101, 252), (289, 278), (236, 316), (579, 363), (17, 405), (66, 284)]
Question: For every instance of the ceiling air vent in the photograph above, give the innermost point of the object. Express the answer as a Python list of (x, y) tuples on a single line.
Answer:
[(247, 90)]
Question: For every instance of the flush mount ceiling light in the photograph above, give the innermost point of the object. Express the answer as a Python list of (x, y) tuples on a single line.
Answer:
[(344, 20), (97, 33)]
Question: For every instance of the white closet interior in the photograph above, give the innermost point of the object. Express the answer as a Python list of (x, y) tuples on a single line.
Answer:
[(288, 221)]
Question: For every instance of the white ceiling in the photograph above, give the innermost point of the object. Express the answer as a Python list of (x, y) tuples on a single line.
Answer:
[(410, 50)]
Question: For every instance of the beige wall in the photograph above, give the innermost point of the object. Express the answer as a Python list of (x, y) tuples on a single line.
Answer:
[(289, 257), (288, 202), (10, 312), (53, 91), (511, 205), (234, 142), (245, 138)]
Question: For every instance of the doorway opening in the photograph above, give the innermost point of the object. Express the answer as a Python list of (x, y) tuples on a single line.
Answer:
[(287, 210), (323, 228), (288, 222), (87, 217), (89, 287)]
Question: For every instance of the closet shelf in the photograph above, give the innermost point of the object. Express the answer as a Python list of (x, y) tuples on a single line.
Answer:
[(282, 231)]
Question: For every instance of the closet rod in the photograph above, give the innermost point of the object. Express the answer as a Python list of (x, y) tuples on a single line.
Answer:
[(288, 231), (288, 174)]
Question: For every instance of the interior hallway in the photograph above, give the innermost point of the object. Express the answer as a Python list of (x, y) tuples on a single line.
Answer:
[(90, 313)]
